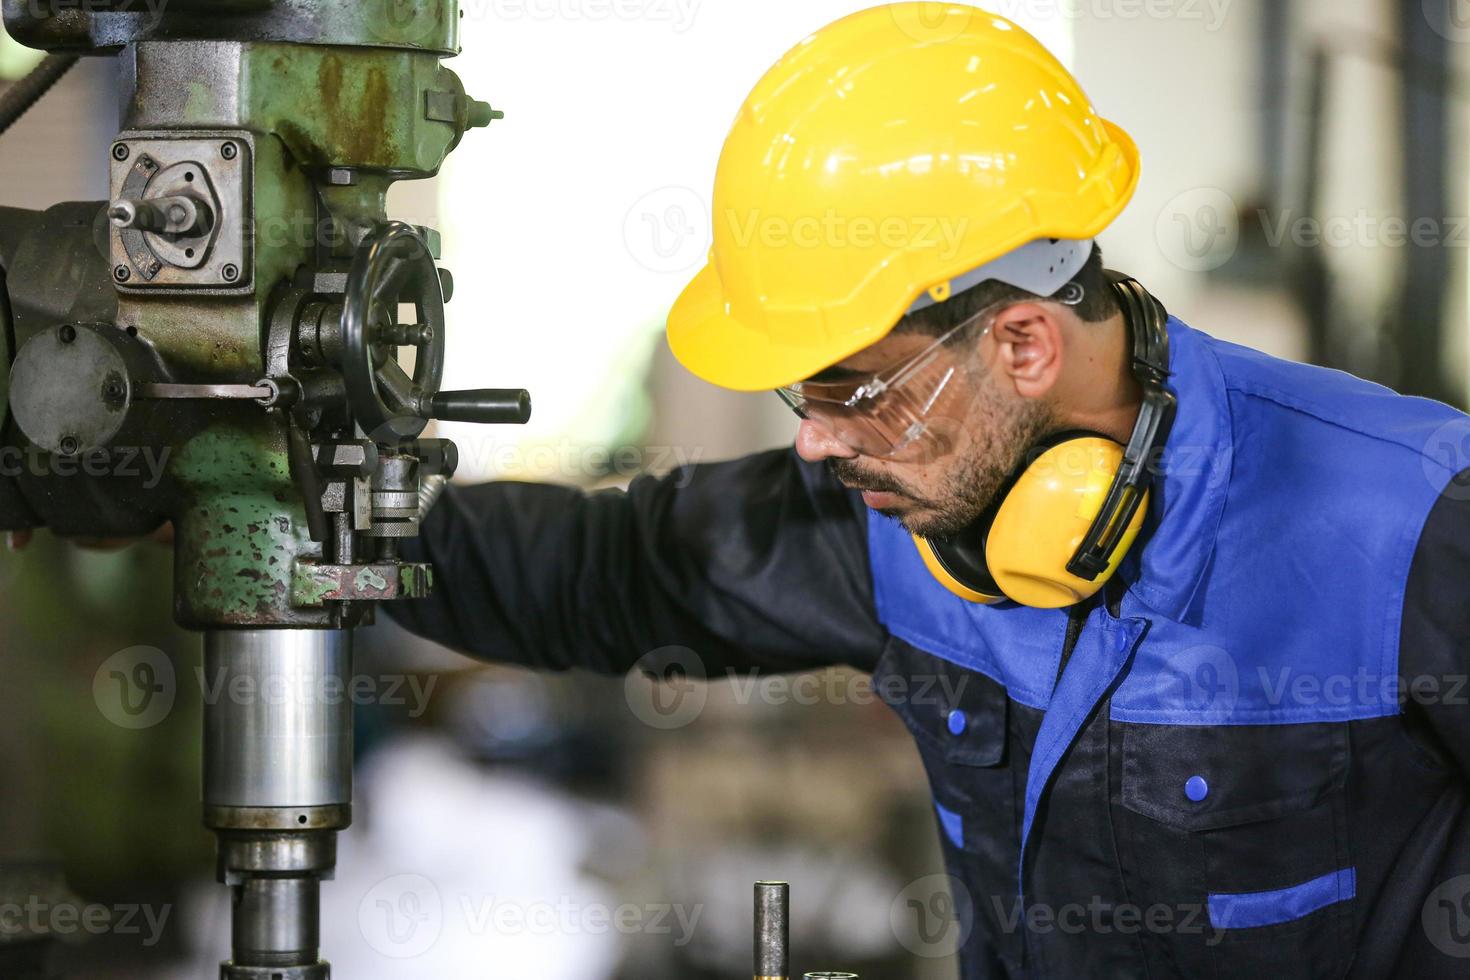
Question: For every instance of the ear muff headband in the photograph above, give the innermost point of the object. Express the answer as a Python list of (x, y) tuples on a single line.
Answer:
[(1145, 317), (1022, 548)]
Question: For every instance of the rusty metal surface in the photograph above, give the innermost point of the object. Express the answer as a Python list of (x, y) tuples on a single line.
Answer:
[(313, 585), (67, 25), (265, 818)]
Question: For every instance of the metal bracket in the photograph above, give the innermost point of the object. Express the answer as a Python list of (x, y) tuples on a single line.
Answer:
[(149, 165), (314, 585)]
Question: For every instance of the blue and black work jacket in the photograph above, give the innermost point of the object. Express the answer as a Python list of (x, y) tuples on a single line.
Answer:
[(1249, 757)]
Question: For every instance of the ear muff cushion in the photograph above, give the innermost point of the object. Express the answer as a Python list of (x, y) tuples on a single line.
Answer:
[(1044, 518), (966, 586)]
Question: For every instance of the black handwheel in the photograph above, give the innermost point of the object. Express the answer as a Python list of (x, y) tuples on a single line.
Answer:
[(392, 266)]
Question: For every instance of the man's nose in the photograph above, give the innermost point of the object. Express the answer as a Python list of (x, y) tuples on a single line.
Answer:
[(815, 442)]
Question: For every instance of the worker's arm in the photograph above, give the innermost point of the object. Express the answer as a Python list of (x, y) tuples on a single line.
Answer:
[(1434, 657), (759, 562)]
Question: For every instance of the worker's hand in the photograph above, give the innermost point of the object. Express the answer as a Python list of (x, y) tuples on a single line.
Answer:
[(18, 540)]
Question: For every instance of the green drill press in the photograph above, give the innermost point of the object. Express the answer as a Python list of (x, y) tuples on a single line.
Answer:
[(235, 308)]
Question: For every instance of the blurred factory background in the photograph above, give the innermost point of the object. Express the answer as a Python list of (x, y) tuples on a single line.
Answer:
[(1304, 191)]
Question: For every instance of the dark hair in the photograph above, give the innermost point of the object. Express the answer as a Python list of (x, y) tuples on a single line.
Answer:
[(1097, 303)]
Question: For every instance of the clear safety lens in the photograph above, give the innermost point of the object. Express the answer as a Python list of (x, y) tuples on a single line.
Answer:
[(881, 415)]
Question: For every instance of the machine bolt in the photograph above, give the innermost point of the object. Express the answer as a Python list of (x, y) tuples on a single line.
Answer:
[(120, 151), (228, 151), (113, 390), (67, 333), (122, 273), (230, 272), (68, 445)]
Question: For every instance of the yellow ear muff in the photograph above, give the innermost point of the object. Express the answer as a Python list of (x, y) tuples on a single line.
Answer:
[(1044, 518)]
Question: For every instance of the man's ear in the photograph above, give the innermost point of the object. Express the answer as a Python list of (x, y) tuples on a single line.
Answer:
[(1029, 336)]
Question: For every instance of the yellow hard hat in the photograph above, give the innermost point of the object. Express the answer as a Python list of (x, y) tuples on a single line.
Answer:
[(885, 155)]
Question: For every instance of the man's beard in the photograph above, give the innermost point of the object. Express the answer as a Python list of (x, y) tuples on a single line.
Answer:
[(997, 446)]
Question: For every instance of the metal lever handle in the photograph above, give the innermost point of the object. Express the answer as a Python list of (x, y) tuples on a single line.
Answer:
[(494, 405)]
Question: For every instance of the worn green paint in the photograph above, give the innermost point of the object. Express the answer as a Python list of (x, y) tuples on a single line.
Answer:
[(369, 579), (349, 107), (242, 529), (418, 580)]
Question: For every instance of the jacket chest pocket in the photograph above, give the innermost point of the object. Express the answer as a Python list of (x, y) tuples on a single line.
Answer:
[(958, 718), (1247, 827)]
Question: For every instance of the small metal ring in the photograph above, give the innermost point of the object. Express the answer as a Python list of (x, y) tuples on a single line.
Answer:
[(1071, 294)]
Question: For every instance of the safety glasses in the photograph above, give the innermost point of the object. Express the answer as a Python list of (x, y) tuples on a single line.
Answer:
[(883, 414)]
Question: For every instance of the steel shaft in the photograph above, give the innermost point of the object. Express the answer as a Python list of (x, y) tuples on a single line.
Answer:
[(277, 787), (772, 930)]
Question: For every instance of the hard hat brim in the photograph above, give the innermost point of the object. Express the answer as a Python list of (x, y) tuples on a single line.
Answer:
[(716, 347)]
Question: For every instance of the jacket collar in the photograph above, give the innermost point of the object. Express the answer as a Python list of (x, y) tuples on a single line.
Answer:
[(1188, 494)]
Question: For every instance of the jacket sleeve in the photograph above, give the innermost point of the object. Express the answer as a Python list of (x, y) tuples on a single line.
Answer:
[(760, 562), (1434, 651)]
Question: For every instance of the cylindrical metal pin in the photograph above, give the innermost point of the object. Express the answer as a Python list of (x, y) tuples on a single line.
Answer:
[(772, 930)]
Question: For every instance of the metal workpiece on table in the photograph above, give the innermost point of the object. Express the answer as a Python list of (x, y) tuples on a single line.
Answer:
[(772, 930)]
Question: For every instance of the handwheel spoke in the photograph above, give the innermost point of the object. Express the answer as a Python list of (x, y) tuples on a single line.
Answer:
[(397, 387)]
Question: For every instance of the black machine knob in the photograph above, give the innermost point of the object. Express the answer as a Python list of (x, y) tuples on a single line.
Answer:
[(510, 406)]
